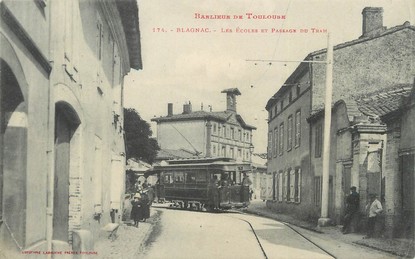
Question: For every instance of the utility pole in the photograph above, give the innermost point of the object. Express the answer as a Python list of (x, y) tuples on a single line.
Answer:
[(324, 220)]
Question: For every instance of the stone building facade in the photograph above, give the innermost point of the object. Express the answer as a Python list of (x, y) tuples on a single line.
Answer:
[(62, 145), (377, 61), (207, 133), (399, 167)]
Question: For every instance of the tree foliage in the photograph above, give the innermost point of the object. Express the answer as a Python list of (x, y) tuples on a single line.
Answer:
[(138, 140)]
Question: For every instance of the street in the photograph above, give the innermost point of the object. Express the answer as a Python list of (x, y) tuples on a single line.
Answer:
[(187, 234)]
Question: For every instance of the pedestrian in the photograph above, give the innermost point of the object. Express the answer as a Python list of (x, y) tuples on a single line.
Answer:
[(246, 183), (373, 208), (138, 187), (135, 209), (352, 209), (150, 194), (251, 192), (145, 207), (214, 192)]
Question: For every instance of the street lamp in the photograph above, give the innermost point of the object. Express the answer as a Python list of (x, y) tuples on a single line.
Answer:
[(251, 151)]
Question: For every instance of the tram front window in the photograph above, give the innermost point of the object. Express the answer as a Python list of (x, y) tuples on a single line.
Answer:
[(190, 178), (179, 177)]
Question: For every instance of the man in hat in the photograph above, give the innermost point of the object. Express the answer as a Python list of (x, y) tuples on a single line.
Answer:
[(352, 209), (374, 208)]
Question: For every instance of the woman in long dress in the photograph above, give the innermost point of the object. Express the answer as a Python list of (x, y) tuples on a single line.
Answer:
[(136, 209), (145, 206)]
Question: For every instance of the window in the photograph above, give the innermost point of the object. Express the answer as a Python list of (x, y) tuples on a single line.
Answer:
[(223, 151), (280, 182), (227, 132), (272, 147), (240, 134), (239, 153), (191, 177), (281, 139), (297, 185), (298, 89), (247, 136), (68, 29), (285, 189), (319, 140), (269, 115), (179, 177), (100, 38), (168, 178), (232, 153), (214, 128), (275, 150), (269, 144), (232, 133), (290, 97), (297, 129), (214, 150), (290, 133), (282, 105), (275, 110), (317, 190), (292, 186)]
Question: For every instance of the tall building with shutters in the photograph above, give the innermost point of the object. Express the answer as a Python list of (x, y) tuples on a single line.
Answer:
[(381, 59)]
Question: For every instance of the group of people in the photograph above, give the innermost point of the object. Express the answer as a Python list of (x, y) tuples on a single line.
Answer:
[(141, 203), (216, 185), (373, 210)]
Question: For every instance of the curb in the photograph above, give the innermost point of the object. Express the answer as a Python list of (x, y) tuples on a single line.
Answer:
[(144, 242), (383, 250), (321, 232), (285, 222)]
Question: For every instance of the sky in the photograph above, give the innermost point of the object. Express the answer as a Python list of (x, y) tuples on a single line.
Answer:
[(180, 66)]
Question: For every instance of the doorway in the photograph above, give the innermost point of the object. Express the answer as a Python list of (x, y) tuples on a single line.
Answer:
[(13, 153), (66, 123)]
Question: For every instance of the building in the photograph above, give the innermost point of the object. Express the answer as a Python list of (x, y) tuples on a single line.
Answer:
[(62, 144), (207, 133), (379, 59), (396, 110)]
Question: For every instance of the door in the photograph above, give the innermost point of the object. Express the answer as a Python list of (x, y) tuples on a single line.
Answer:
[(63, 134), (408, 194)]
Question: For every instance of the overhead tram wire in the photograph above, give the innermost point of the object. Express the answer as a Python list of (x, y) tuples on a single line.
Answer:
[(275, 49)]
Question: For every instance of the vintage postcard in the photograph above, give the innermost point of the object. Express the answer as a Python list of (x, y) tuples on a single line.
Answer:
[(207, 129)]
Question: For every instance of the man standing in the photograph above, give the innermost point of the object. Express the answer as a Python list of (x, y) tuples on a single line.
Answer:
[(375, 208), (352, 209)]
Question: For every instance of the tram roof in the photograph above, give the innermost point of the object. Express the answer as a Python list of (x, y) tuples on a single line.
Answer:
[(224, 164)]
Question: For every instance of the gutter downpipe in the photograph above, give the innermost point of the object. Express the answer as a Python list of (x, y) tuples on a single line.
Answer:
[(324, 220), (51, 133)]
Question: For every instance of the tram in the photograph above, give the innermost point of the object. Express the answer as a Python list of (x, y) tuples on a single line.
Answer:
[(203, 183)]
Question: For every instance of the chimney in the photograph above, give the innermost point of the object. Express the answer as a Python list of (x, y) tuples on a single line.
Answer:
[(170, 109), (187, 108), (372, 21), (231, 94)]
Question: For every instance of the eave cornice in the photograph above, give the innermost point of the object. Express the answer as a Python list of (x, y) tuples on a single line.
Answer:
[(112, 17)]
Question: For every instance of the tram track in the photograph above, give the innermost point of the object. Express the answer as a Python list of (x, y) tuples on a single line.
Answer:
[(232, 213), (285, 224)]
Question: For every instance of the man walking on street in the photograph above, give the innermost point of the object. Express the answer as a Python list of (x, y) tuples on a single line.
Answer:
[(375, 208), (352, 209)]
